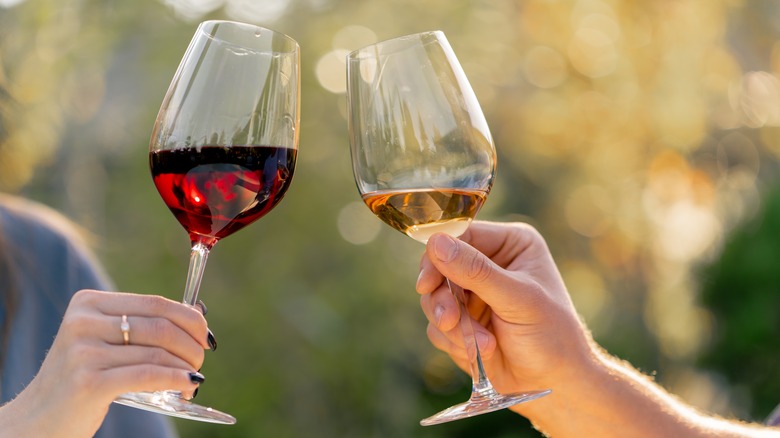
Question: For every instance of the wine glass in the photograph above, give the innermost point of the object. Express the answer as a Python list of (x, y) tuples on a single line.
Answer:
[(223, 151), (424, 162)]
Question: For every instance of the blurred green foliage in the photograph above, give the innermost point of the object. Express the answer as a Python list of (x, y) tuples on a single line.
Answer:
[(635, 135), (742, 290)]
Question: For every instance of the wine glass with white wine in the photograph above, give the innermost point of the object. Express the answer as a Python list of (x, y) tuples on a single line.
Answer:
[(424, 162)]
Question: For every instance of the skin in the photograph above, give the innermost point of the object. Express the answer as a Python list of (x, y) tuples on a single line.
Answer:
[(531, 337), (88, 366)]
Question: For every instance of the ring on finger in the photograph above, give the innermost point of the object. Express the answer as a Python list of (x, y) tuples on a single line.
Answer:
[(124, 326)]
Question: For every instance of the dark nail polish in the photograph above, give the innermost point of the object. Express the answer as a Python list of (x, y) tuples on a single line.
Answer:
[(212, 341), (197, 378), (195, 393), (203, 307)]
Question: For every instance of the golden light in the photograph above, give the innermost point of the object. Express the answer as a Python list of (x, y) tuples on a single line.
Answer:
[(193, 10), (256, 11), (592, 53), (757, 98), (544, 67), (357, 225), (588, 210), (331, 71), (353, 37)]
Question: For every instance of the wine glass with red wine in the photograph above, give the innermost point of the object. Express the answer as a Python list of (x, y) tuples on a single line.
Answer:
[(424, 163), (223, 151)]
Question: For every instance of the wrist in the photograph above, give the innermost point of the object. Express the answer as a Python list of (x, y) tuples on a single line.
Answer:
[(575, 388)]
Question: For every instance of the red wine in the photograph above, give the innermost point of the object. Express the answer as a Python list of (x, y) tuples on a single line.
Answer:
[(420, 213), (215, 191)]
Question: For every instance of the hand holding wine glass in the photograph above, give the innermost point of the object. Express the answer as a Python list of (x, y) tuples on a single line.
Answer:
[(424, 162), (223, 151)]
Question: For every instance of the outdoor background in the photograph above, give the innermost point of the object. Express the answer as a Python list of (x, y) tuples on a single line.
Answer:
[(640, 137)]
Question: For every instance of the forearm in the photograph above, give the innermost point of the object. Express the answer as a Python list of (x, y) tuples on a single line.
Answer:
[(611, 399), (14, 422)]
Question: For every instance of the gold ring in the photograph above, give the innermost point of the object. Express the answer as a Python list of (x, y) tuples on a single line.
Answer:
[(125, 327)]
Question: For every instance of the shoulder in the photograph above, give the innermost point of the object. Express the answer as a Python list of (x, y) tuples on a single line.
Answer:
[(44, 242), (23, 219)]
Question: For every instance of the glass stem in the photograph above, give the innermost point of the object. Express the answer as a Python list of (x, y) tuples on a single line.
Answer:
[(480, 386), (198, 257)]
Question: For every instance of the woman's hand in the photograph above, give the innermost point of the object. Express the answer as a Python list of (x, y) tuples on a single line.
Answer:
[(89, 364)]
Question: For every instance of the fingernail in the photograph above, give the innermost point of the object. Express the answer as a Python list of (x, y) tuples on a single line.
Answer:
[(419, 277), (196, 377), (437, 313), (211, 340), (195, 393), (445, 247), (203, 307)]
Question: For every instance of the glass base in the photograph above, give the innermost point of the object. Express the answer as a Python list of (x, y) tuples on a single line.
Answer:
[(170, 403), (481, 404)]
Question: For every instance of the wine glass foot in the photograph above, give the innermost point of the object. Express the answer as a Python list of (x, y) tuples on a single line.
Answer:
[(477, 405), (170, 403)]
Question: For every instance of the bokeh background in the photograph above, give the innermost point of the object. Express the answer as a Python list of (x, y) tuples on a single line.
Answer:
[(641, 138)]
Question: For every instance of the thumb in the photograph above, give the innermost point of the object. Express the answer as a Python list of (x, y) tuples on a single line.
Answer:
[(472, 270)]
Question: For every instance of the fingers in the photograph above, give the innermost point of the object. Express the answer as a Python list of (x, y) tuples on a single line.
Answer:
[(505, 243), (90, 361), (466, 266), (154, 332), (445, 327), (150, 377), (189, 319), (153, 369), (153, 335), (82, 366), (492, 246), (440, 308), (515, 292), (211, 340), (180, 332), (452, 342), (104, 357), (429, 278)]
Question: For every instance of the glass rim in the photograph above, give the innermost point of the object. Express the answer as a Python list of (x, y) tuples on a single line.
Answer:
[(208, 28), (360, 53)]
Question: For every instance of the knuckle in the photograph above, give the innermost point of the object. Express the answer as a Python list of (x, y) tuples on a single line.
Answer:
[(85, 297), (83, 353), (84, 381), (79, 322), (528, 235), (478, 268), (156, 304), (535, 295)]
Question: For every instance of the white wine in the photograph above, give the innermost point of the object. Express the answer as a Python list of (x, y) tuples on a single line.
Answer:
[(423, 212)]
